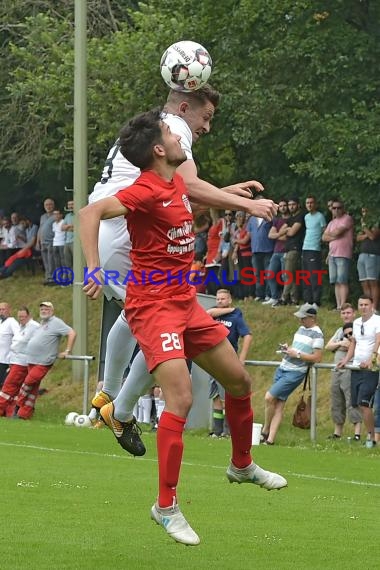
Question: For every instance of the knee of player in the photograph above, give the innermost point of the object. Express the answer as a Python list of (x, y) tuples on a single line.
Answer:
[(242, 385), (188, 400), (183, 403)]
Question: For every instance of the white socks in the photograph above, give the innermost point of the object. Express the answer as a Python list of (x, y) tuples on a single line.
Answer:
[(119, 351), (137, 383)]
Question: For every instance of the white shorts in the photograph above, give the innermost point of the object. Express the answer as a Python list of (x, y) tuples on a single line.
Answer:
[(114, 242), (114, 253)]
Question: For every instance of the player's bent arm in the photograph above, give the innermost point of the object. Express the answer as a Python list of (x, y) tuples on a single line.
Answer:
[(204, 193), (89, 220), (207, 194)]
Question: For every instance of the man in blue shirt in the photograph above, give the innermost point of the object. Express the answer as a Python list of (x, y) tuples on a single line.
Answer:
[(262, 248), (233, 319), (315, 225)]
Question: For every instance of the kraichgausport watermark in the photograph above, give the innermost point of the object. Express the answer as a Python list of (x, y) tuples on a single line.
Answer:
[(64, 276)]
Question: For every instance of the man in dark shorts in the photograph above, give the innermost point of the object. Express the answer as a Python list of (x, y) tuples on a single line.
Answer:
[(363, 348)]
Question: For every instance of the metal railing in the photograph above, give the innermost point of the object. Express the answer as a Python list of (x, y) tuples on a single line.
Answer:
[(313, 386), (86, 375)]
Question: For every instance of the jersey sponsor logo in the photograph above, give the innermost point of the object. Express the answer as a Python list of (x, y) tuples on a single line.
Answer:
[(166, 204), (186, 202)]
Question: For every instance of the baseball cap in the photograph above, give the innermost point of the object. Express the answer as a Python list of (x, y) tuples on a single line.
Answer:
[(306, 310), (47, 304)]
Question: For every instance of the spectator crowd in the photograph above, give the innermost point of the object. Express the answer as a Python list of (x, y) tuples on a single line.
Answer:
[(28, 350), (290, 253), (282, 262), (288, 257), (23, 242)]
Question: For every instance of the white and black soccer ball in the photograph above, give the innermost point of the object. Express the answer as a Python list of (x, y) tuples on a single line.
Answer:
[(82, 421), (186, 66), (70, 418)]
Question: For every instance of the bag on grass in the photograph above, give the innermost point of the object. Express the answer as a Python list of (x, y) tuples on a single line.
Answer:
[(302, 414)]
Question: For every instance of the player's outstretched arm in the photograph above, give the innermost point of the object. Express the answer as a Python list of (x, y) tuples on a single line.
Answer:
[(89, 220), (246, 189), (204, 193)]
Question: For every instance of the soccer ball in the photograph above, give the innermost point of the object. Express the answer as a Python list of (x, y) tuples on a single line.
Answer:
[(70, 418), (82, 421), (186, 66)]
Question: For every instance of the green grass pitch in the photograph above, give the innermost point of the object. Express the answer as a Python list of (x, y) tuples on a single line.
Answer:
[(72, 499)]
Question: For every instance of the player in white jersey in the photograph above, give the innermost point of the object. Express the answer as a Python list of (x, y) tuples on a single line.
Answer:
[(188, 115), (114, 249)]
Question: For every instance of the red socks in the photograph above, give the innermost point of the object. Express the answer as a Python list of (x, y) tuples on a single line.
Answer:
[(170, 450), (239, 414), (170, 445)]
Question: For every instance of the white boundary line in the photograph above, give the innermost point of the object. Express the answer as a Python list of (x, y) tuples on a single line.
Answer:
[(129, 457)]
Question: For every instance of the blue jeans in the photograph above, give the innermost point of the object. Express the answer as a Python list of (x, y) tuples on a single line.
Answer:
[(260, 261), (285, 382), (276, 264)]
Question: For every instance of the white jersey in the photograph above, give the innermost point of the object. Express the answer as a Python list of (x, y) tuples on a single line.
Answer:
[(8, 328), (20, 342), (114, 241)]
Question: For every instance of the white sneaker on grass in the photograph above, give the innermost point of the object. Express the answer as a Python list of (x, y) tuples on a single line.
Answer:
[(254, 474), (175, 524)]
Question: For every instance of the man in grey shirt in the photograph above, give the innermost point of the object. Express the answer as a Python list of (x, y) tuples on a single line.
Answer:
[(341, 377), (45, 240), (41, 352)]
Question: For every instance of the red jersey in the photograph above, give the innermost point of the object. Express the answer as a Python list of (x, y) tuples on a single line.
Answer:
[(160, 224)]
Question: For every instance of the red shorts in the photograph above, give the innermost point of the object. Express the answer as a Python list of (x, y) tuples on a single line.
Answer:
[(172, 328)]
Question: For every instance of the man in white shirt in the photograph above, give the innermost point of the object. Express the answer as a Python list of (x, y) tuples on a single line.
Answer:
[(18, 361), (8, 328), (363, 348), (58, 240)]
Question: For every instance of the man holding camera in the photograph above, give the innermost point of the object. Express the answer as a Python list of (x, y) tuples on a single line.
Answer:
[(341, 377), (306, 349)]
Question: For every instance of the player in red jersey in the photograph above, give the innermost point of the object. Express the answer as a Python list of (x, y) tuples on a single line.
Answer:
[(164, 315)]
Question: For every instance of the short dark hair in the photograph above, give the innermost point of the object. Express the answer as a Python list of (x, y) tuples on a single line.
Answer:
[(200, 96), (24, 308), (366, 297), (139, 136)]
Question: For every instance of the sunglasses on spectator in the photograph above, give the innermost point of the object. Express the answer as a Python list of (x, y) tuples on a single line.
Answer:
[(362, 329), (228, 213), (347, 334), (336, 208)]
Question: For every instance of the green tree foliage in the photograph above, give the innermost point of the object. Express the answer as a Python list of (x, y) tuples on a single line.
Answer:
[(299, 79)]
